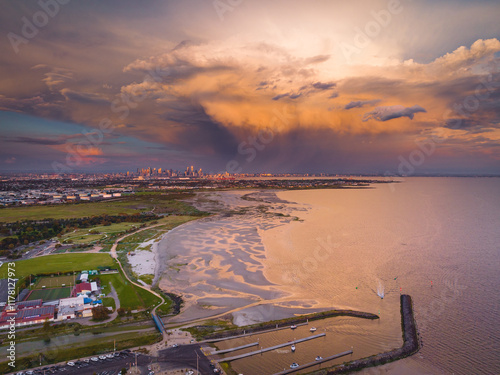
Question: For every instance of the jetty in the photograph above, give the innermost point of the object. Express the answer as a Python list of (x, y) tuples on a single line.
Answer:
[(251, 333), (263, 350), (315, 363), (235, 349), (411, 344)]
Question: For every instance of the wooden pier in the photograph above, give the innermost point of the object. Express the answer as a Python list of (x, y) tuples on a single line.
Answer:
[(315, 363), (234, 349), (250, 334), (263, 350)]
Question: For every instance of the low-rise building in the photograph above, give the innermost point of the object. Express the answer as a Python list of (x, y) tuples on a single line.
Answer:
[(26, 313), (74, 307), (81, 289)]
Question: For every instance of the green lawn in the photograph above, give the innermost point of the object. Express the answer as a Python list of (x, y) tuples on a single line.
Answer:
[(59, 263), (50, 294), (131, 242), (84, 236), (109, 302), (130, 296)]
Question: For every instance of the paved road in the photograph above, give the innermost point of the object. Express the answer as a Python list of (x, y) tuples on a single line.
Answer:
[(185, 356)]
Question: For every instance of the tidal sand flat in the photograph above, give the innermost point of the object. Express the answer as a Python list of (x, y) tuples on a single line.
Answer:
[(216, 263)]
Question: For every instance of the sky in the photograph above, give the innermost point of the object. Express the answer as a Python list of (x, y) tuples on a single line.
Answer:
[(407, 87)]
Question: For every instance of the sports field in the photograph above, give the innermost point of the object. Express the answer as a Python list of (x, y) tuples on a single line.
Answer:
[(54, 282), (60, 263), (50, 294)]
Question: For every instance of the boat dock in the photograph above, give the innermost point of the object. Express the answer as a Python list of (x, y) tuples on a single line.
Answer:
[(315, 363), (250, 334), (234, 349), (263, 350)]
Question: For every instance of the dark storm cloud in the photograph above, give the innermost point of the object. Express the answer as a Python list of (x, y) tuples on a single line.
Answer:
[(38, 141), (309, 89), (391, 112), (83, 97), (281, 96), (194, 130), (361, 103), (20, 104), (324, 85)]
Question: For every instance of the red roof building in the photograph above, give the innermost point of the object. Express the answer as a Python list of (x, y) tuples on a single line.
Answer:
[(82, 288), (27, 312)]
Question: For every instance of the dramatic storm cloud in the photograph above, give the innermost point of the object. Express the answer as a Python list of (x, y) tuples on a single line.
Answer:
[(392, 112), (334, 86)]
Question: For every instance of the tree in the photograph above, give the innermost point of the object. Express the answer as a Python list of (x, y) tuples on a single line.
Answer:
[(121, 311), (46, 326), (100, 313)]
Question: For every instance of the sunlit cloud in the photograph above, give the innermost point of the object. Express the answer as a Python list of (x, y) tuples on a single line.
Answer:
[(178, 81)]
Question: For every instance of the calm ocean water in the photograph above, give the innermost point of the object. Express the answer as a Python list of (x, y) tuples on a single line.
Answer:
[(437, 239)]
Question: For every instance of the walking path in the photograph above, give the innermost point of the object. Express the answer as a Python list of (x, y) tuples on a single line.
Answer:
[(115, 256)]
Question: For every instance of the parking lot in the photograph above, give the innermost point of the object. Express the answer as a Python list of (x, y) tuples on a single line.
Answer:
[(174, 358), (110, 364)]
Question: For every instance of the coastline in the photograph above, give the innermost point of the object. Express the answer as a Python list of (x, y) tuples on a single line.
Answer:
[(217, 263)]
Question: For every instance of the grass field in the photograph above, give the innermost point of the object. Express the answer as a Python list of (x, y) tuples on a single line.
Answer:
[(84, 236), (62, 263), (131, 242), (140, 202), (53, 282), (130, 296), (50, 294)]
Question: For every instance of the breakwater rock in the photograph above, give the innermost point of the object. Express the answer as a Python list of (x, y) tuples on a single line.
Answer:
[(411, 344)]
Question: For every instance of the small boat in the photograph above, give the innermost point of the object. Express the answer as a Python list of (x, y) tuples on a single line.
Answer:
[(294, 365), (293, 347), (293, 326), (312, 329), (319, 358)]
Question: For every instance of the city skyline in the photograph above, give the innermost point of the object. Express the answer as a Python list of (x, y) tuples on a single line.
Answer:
[(392, 87)]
